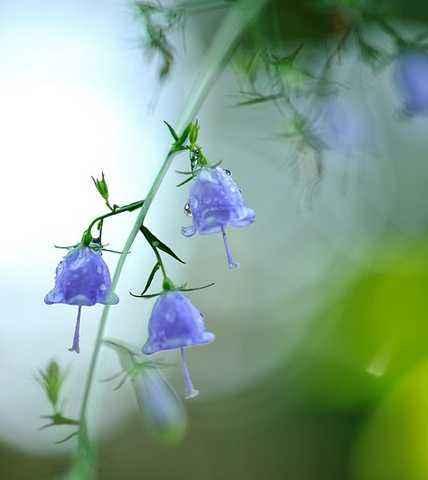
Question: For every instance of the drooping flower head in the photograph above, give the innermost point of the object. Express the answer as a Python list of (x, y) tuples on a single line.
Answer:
[(82, 279), (342, 126), (161, 407), (411, 78), (175, 323), (216, 203)]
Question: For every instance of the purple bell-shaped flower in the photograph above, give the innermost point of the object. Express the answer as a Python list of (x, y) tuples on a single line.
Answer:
[(411, 78), (342, 126), (176, 324), (82, 279), (216, 202)]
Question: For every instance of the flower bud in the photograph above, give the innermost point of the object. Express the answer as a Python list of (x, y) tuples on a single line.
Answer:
[(411, 78), (163, 411)]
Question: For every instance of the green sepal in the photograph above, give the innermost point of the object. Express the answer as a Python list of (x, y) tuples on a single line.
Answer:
[(258, 98), (131, 360), (68, 437), (288, 59), (87, 238), (51, 380), (187, 172), (152, 295), (58, 419), (183, 289), (101, 186), (168, 284), (185, 134), (194, 133), (171, 131), (151, 277), (186, 181), (156, 243)]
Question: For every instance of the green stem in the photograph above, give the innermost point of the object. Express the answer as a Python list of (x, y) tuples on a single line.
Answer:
[(116, 211), (237, 19)]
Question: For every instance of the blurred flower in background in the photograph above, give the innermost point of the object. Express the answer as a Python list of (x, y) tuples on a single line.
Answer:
[(411, 76)]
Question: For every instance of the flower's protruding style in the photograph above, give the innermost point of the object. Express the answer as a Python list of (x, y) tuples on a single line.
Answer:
[(176, 324), (216, 203), (82, 279), (411, 78)]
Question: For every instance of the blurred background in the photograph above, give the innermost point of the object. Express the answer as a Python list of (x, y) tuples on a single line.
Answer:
[(319, 369)]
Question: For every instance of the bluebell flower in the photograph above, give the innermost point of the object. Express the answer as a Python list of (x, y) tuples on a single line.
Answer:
[(82, 279), (411, 78), (176, 324), (342, 126), (216, 203), (162, 409)]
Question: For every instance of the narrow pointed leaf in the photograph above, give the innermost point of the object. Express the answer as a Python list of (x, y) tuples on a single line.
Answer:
[(151, 277), (69, 437), (156, 243), (184, 172), (185, 181), (171, 130), (197, 288), (152, 295), (260, 99), (185, 134)]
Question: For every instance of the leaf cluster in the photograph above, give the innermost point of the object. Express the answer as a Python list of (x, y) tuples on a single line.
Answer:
[(52, 380)]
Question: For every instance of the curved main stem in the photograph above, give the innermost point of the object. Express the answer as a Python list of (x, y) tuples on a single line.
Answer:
[(238, 18)]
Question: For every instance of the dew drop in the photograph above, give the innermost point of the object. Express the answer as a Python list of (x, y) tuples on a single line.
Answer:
[(187, 210), (227, 172)]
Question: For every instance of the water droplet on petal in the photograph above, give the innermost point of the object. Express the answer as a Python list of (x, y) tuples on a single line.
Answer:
[(187, 210), (227, 172)]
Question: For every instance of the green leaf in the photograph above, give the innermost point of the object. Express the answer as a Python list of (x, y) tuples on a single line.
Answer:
[(171, 131), (156, 243), (197, 288), (133, 206), (186, 172), (151, 277), (152, 295), (87, 238), (51, 380), (185, 134), (101, 186), (58, 419), (194, 133), (67, 438), (185, 181), (260, 99)]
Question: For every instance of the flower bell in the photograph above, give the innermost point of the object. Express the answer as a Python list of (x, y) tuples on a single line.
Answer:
[(216, 202), (411, 78), (82, 279), (176, 324), (341, 126)]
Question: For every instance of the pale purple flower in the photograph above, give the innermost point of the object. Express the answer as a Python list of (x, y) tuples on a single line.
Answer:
[(82, 279), (176, 324), (216, 203), (161, 407), (342, 126), (411, 78)]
